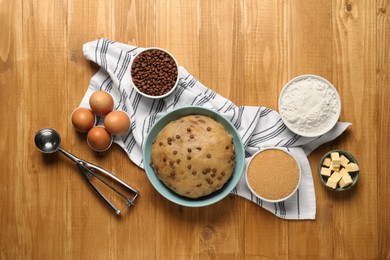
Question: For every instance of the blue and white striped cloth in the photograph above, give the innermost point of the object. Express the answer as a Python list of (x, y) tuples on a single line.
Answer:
[(259, 127)]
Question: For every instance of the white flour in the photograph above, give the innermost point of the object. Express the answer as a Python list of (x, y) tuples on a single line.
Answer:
[(309, 107)]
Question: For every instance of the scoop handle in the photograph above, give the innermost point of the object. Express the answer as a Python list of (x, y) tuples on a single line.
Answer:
[(90, 170), (69, 155)]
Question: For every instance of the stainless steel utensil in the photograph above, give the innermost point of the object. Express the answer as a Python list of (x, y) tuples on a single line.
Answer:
[(48, 140)]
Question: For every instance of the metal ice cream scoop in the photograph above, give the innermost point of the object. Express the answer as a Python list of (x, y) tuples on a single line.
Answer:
[(48, 140)]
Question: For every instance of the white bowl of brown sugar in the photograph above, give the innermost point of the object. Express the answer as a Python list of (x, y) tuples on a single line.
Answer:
[(154, 73), (273, 174)]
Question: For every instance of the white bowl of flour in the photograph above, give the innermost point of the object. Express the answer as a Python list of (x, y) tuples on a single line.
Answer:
[(309, 105)]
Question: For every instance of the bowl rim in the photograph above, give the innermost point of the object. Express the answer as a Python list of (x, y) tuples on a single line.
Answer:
[(212, 198), (355, 176), (177, 78), (285, 151), (301, 77)]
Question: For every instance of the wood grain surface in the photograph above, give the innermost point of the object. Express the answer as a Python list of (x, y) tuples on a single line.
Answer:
[(246, 51)]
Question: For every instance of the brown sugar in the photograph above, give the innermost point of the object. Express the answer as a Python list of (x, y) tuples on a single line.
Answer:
[(273, 174)]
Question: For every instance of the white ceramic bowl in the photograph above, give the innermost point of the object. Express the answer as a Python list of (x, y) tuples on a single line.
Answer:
[(144, 94), (254, 192), (314, 132)]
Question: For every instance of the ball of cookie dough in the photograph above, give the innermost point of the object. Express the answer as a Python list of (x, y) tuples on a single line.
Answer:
[(194, 156)]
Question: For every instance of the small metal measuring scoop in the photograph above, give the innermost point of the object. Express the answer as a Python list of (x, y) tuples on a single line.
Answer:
[(48, 140)]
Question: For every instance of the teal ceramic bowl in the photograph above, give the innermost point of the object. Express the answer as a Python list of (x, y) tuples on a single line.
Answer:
[(168, 193), (354, 175)]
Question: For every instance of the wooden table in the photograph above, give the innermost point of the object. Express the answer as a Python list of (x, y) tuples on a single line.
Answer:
[(244, 50)]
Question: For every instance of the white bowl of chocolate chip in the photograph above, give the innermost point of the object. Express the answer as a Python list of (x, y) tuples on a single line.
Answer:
[(154, 73), (193, 156)]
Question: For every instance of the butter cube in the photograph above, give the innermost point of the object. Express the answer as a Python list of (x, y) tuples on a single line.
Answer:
[(335, 157), (344, 161), (345, 181), (344, 172), (325, 171), (334, 167), (326, 162), (331, 183), (336, 176), (352, 167)]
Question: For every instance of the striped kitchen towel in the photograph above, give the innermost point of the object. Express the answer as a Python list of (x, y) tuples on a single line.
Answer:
[(259, 127)]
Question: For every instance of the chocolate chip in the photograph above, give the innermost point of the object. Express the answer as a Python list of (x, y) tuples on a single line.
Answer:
[(189, 150), (154, 72), (214, 170), (189, 167), (193, 172), (192, 136), (223, 173), (160, 144), (209, 181), (212, 175), (209, 129), (199, 148), (173, 173), (188, 130), (188, 157), (164, 159), (219, 178), (227, 147), (169, 139), (174, 152), (178, 161), (177, 136), (208, 155), (199, 185)]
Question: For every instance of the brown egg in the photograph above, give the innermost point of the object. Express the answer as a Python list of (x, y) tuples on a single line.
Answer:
[(117, 122), (99, 139), (82, 119), (101, 103)]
